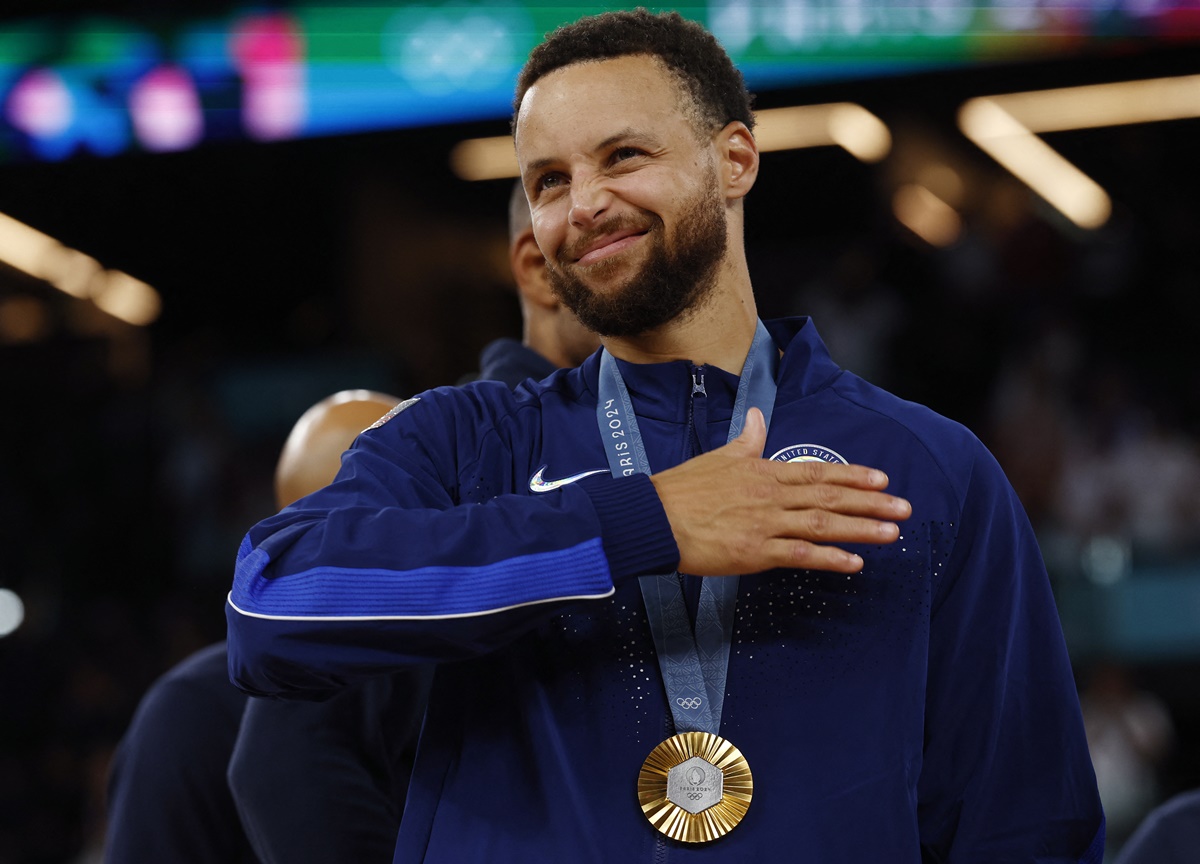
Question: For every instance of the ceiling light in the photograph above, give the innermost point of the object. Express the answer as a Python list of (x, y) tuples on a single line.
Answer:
[(926, 215), (1116, 104), (485, 158), (77, 274), (129, 299), (1006, 127), (845, 124), (995, 131)]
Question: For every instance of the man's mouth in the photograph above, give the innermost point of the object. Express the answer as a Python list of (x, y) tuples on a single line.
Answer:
[(608, 245)]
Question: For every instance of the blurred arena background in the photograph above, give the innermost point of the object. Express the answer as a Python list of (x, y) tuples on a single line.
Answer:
[(213, 214)]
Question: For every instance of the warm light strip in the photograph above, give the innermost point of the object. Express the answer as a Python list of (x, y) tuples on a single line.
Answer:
[(1006, 127), (793, 128), (131, 300), (1035, 163), (926, 215), (72, 272), (843, 124), (1116, 104), (484, 158), (849, 126), (27, 249)]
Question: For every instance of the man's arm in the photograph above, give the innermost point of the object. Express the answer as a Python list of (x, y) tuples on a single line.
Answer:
[(385, 567), (1006, 772), (389, 566)]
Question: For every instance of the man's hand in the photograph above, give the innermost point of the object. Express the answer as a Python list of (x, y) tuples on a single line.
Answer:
[(733, 512)]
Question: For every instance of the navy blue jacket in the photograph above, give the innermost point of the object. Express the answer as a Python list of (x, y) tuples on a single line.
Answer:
[(167, 798), (921, 710)]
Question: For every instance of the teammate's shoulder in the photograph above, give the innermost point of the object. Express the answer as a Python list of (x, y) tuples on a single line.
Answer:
[(460, 412), (567, 382)]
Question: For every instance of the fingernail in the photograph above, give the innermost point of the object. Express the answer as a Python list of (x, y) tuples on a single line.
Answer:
[(878, 477)]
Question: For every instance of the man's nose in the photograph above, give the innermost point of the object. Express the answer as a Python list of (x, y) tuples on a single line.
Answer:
[(590, 199)]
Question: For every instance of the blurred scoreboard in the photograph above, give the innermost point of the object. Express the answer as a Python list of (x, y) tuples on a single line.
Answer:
[(102, 86)]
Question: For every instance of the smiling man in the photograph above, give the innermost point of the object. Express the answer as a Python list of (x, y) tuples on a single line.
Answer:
[(886, 681)]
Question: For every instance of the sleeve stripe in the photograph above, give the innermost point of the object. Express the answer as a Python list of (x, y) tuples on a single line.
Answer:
[(478, 614), (428, 593)]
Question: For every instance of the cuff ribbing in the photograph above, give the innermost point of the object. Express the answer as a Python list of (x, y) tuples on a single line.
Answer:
[(634, 529)]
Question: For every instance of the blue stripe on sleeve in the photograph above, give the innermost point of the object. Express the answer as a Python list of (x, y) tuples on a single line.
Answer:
[(577, 572)]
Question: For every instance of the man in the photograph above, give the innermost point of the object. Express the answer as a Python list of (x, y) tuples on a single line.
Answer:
[(864, 693), (325, 781)]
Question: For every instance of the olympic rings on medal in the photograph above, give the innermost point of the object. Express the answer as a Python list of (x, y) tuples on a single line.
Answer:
[(690, 703)]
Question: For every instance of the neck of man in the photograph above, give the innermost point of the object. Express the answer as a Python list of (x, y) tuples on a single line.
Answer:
[(717, 333), (541, 340)]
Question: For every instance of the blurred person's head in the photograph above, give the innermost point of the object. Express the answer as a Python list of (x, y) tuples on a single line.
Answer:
[(549, 327), (313, 450)]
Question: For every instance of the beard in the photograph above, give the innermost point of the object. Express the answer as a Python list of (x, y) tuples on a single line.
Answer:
[(674, 281)]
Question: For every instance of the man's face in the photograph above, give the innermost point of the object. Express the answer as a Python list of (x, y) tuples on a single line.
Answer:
[(624, 196)]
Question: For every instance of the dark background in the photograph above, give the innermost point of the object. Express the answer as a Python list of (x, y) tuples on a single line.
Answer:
[(133, 460)]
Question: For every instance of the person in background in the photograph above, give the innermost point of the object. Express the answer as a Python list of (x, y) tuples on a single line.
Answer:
[(552, 335), (605, 689), (1170, 834), (167, 797), (326, 781), (1130, 734), (201, 776)]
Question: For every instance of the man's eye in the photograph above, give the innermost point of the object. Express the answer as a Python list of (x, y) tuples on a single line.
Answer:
[(549, 181), (623, 153)]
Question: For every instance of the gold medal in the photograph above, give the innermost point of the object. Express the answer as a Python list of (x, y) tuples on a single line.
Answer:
[(695, 787)]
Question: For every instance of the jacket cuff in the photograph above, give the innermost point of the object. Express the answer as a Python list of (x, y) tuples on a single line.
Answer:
[(634, 530)]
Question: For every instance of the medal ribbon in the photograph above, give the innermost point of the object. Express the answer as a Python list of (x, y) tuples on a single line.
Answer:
[(694, 668)]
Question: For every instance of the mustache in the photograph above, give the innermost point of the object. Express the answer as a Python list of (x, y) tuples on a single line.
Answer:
[(624, 222)]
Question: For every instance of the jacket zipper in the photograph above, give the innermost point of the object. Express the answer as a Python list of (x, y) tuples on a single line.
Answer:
[(697, 430), (697, 414), (697, 444)]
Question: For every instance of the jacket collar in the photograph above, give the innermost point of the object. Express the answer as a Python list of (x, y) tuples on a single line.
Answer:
[(662, 391)]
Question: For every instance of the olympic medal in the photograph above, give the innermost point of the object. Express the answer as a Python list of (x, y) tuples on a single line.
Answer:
[(695, 787)]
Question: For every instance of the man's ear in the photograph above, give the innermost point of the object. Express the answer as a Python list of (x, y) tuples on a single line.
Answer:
[(739, 158), (529, 271)]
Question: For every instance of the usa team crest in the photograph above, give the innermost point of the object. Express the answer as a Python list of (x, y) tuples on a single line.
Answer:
[(809, 453)]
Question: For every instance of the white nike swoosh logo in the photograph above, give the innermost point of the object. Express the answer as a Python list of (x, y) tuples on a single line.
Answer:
[(537, 484)]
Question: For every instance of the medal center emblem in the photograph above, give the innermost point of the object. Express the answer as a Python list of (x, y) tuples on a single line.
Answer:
[(695, 785)]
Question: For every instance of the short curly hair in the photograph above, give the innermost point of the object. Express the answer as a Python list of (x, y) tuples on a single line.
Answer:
[(684, 47)]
